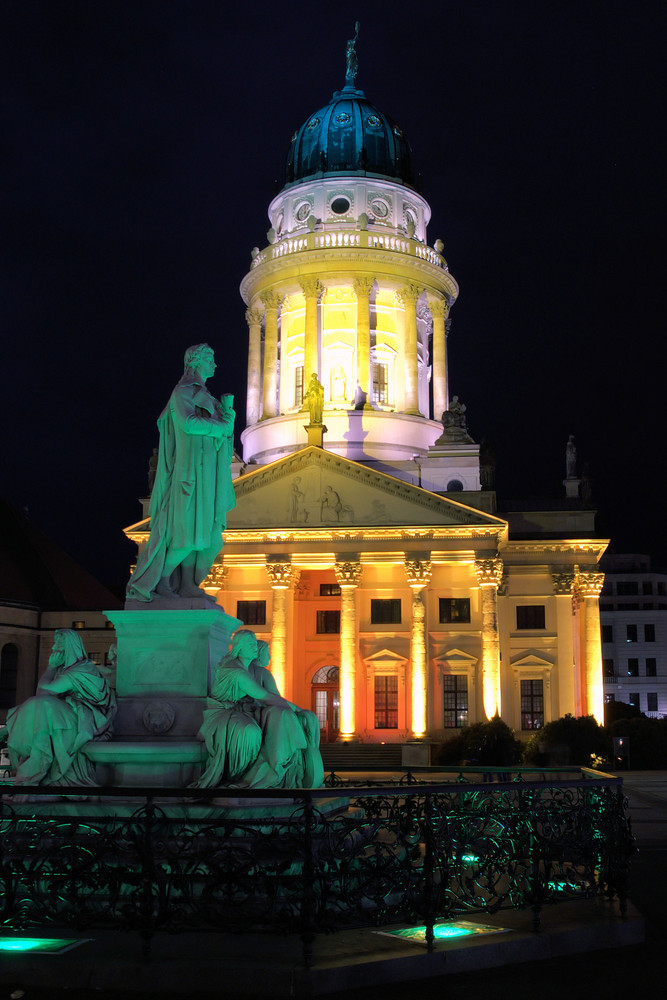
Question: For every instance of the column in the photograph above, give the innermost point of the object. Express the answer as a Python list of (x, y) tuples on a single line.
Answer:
[(569, 689), (489, 574), (348, 575), (272, 303), (312, 289), (362, 289), (418, 573), (281, 575), (588, 586), (439, 310), (409, 296), (253, 400)]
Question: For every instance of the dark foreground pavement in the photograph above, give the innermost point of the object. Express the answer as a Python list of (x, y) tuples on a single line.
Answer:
[(610, 972)]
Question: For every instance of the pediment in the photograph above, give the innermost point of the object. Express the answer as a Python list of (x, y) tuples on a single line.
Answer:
[(455, 658), (531, 660), (313, 488), (385, 657)]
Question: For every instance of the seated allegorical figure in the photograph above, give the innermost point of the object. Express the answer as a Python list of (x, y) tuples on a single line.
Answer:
[(253, 736), (73, 705)]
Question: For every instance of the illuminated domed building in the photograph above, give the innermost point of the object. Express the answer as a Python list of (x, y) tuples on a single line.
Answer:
[(398, 603)]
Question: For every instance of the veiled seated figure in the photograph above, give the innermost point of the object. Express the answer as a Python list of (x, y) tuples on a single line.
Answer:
[(254, 737), (73, 705)]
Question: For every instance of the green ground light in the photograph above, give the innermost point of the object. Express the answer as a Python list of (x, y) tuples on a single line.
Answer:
[(445, 931), (51, 946)]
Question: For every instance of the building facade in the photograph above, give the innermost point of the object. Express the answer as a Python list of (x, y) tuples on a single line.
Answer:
[(398, 603), (633, 613)]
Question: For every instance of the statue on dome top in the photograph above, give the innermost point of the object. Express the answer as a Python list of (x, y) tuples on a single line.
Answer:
[(351, 61)]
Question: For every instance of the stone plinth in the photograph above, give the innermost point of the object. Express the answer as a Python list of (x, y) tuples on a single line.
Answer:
[(166, 763), (165, 662)]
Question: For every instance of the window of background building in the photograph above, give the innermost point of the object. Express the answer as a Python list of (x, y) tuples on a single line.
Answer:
[(633, 699), (329, 590), (386, 611), (454, 609), (608, 698), (328, 622), (652, 701), (649, 633), (386, 701), (647, 587), (95, 657), (9, 672), (633, 668), (650, 666), (530, 616), (251, 612), (631, 633), (380, 390), (456, 701), (661, 588), (298, 386), (606, 607), (627, 588), (78, 625), (607, 633), (608, 668), (532, 705)]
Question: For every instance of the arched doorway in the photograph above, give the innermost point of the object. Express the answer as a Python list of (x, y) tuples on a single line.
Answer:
[(326, 702)]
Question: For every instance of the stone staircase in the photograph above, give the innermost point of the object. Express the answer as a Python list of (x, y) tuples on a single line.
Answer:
[(360, 756)]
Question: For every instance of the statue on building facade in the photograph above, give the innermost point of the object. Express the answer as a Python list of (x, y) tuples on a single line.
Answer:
[(314, 400), (73, 705), (193, 488), (454, 424), (570, 458), (254, 737)]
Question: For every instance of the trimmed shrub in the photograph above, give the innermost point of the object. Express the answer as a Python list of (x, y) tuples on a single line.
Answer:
[(568, 741), (647, 741), (491, 744)]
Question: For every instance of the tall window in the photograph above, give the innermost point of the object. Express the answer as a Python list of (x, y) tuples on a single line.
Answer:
[(651, 665), (633, 667), (9, 671), (631, 633), (532, 705), (454, 609), (652, 701), (386, 701), (608, 668), (649, 633), (251, 612), (456, 701), (298, 386), (607, 633), (328, 622), (380, 390), (386, 612), (633, 699), (530, 616)]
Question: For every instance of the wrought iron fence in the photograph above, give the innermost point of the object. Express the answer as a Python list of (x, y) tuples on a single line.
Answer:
[(426, 848)]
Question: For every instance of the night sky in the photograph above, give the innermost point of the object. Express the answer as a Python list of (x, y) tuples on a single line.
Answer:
[(140, 144)]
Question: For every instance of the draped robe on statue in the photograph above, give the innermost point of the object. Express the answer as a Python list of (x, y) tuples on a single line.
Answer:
[(193, 488), (46, 732)]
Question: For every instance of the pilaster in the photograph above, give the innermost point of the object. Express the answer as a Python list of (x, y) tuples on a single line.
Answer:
[(282, 575), (588, 587), (348, 575), (489, 574), (418, 573)]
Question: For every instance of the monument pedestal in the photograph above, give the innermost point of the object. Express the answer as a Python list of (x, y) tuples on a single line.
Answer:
[(165, 663)]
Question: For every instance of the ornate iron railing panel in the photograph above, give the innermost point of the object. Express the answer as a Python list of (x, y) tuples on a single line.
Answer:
[(312, 861)]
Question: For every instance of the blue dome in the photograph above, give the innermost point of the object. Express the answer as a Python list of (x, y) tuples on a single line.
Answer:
[(349, 136)]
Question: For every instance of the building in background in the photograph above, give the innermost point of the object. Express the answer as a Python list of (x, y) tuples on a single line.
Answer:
[(633, 613), (366, 546), (42, 589)]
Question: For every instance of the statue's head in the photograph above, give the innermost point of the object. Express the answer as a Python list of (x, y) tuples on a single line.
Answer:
[(263, 653), (198, 355), (68, 648), (244, 643)]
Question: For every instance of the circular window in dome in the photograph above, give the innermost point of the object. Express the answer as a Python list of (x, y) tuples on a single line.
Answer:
[(303, 211), (313, 123), (379, 208), (373, 121), (343, 118), (340, 205)]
